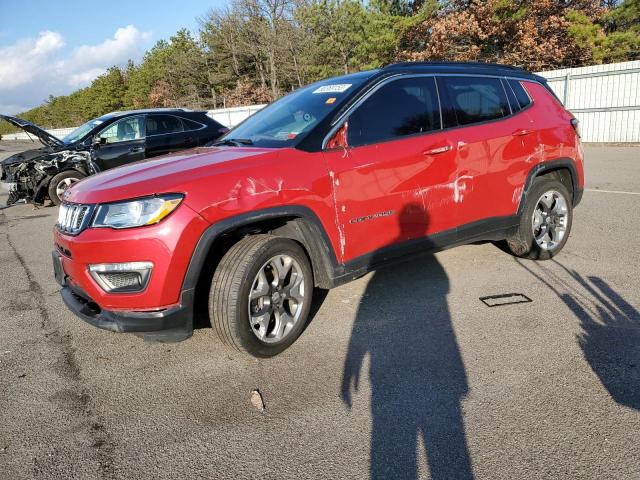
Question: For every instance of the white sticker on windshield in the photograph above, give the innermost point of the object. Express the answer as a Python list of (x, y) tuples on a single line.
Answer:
[(336, 88)]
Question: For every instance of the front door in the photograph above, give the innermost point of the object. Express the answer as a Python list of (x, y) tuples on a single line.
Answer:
[(391, 183), (120, 143)]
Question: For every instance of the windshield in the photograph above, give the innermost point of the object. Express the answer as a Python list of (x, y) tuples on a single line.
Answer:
[(286, 121), (81, 131)]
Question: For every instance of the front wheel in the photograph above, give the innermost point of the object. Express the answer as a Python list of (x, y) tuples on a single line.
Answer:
[(60, 182), (545, 222), (260, 295)]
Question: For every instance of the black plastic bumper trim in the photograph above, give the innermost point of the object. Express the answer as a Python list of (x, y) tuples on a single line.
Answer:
[(171, 325)]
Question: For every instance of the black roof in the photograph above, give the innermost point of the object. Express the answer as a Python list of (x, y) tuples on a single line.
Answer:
[(460, 67), (125, 113)]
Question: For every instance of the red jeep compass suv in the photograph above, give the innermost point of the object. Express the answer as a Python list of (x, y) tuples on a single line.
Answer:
[(314, 190)]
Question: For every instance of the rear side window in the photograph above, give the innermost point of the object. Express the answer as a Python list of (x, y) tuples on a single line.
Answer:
[(191, 125), (513, 101), (163, 124), (520, 93), (475, 99), (402, 107)]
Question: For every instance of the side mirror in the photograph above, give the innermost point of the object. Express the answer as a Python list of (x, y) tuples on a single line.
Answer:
[(97, 141), (339, 139)]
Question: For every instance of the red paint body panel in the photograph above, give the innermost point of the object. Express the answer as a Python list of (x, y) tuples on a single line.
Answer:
[(168, 245), (356, 193)]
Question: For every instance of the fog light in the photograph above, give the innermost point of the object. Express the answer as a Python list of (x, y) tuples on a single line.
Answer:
[(121, 277)]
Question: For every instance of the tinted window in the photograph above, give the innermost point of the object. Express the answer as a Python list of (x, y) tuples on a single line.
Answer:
[(130, 128), (162, 124), (476, 99), (513, 101), (401, 107), (520, 93), (191, 125)]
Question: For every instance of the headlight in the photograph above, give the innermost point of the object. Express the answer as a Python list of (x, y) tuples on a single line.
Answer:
[(136, 213)]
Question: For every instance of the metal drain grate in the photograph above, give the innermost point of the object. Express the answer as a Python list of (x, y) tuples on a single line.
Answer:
[(505, 299)]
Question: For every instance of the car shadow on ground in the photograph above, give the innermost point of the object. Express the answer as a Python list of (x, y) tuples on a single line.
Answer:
[(416, 373), (610, 337)]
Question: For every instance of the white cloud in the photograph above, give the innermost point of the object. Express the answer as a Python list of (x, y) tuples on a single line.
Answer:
[(27, 58), (32, 69)]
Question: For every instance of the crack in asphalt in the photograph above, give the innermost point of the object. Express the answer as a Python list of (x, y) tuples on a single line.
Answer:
[(78, 397)]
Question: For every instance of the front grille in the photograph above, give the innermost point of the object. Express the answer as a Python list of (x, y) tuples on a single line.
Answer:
[(73, 217)]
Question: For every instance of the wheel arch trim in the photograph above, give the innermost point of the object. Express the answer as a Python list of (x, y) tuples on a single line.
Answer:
[(316, 241), (549, 166)]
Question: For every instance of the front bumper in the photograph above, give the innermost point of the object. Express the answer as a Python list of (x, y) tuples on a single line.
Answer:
[(173, 324)]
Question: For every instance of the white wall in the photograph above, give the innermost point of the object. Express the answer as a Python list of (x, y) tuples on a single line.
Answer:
[(605, 98)]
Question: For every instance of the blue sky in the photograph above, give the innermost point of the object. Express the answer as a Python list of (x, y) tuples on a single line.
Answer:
[(55, 47)]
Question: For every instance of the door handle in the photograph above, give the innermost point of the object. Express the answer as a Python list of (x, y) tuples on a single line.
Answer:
[(135, 149), (520, 133), (435, 151)]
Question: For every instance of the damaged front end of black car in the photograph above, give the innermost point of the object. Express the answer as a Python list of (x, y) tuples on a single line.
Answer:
[(37, 174)]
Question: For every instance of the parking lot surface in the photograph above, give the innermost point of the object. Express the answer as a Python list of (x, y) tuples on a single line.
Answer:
[(403, 373)]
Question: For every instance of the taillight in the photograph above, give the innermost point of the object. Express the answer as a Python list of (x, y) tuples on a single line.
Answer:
[(575, 123)]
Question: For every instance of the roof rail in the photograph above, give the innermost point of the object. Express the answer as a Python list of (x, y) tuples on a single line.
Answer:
[(399, 65)]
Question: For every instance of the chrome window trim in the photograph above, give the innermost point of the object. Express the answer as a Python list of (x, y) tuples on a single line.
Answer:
[(337, 123)]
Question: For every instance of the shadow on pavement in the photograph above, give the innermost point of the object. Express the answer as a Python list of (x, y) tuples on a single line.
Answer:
[(416, 372), (610, 337)]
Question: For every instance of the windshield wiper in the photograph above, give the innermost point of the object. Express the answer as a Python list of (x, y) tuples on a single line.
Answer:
[(235, 142)]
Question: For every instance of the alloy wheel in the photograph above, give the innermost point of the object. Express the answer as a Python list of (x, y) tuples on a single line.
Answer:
[(64, 184), (276, 298), (550, 220)]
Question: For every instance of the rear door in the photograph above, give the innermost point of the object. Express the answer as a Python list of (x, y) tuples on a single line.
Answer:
[(487, 148), (166, 134), (121, 142), (391, 184)]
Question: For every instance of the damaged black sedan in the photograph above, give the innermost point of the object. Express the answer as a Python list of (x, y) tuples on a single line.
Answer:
[(109, 141)]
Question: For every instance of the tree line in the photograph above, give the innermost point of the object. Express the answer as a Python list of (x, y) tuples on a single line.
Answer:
[(253, 51)]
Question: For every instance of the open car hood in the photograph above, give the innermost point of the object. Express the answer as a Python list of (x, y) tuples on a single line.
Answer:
[(44, 136)]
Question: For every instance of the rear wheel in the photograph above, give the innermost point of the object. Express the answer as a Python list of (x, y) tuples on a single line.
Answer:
[(260, 295), (61, 182), (545, 222)]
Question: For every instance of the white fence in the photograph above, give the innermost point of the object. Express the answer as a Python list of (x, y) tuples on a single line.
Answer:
[(229, 117), (605, 98)]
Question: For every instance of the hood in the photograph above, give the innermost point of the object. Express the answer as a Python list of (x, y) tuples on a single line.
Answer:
[(45, 137), (176, 173), (26, 156)]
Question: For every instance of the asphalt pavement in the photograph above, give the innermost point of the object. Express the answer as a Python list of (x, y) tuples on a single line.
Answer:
[(403, 373)]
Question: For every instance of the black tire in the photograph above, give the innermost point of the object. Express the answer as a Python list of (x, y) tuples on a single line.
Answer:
[(71, 175), (523, 243), (232, 283)]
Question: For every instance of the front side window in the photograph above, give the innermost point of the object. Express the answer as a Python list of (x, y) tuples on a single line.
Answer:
[(130, 128), (163, 124), (399, 108), (475, 99)]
